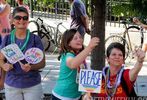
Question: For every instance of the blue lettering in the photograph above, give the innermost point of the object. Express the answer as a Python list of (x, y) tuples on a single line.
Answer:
[(98, 78), (83, 77), (88, 77), (10, 52)]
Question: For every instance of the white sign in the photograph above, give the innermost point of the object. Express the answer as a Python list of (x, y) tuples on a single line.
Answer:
[(90, 81), (12, 53), (33, 55)]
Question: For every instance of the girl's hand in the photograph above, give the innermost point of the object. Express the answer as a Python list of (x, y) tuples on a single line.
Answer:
[(7, 67), (93, 42), (87, 96)]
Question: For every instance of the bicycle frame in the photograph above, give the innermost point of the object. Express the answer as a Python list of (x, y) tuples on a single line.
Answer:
[(126, 40), (126, 35)]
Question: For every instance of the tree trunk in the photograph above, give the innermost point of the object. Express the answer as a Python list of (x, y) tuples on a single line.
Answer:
[(98, 27)]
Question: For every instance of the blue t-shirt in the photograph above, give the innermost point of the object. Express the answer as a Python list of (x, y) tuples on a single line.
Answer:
[(17, 77), (66, 85), (78, 10)]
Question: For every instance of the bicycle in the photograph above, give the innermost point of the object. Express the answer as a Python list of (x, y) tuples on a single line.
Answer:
[(47, 33), (127, 38)]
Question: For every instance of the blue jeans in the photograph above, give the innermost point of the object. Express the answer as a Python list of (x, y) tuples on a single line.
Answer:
[(81, 30)]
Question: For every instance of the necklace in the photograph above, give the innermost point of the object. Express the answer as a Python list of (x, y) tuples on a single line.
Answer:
[(111, 88), (12, 35)]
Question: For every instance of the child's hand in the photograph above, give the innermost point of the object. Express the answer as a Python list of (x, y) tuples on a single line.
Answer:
[(87, 96), (93, 42)]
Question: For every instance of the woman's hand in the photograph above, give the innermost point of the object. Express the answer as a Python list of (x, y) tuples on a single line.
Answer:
[(26, 67), (136, 21), (140, 54), (7, 67)]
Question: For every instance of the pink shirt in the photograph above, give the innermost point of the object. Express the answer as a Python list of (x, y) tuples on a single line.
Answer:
[(5, 26)]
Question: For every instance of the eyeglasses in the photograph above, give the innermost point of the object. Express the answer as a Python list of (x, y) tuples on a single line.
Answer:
[(21, 17)]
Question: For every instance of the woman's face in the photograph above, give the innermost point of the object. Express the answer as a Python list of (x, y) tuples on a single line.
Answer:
[(21, 20), (116, 58), (77, 42)]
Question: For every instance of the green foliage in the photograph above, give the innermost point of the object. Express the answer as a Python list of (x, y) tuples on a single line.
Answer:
[(140, 7), (129, 8)]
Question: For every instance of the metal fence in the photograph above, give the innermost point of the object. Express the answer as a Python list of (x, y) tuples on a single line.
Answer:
[(61, 9), (55, 10)]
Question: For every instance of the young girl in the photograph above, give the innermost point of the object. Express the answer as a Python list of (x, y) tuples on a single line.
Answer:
[(72, 55)]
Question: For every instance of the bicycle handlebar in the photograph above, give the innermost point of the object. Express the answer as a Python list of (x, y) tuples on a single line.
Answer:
[(59, 24), (40, 20)]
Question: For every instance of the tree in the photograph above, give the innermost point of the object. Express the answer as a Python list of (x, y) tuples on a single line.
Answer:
[(98, 26)]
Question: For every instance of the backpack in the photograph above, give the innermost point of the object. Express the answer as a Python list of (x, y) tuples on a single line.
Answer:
[(126, 88)]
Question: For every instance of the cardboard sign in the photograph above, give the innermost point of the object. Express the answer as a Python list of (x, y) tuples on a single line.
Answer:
[(90, 81), (33, 55), (12, 53)]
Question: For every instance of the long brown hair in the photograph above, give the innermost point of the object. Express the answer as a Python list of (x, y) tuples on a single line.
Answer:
[(66, 38)]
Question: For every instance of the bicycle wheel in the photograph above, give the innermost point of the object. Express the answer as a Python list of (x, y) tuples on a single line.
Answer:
[(44, 39), (33, 26), (134, 37), (115, 38)]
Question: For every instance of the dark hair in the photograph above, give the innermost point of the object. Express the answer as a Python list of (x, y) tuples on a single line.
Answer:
[(66, 38), (18, 10), (116, 45)]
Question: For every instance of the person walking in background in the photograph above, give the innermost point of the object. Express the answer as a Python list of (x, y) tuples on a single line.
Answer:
[(117, 81), (20, 3), (5, 26), (80, 20), (22, 81), (138, 22), (72, 56)]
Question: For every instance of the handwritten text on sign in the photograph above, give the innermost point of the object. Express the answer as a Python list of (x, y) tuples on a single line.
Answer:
[(33, 55), (90, 81), (12, 53)]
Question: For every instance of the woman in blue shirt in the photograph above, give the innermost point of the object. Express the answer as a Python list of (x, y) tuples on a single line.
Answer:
[(22, 82)]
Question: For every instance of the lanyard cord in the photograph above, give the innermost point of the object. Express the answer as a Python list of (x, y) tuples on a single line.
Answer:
[(111, 89), (12, 35)]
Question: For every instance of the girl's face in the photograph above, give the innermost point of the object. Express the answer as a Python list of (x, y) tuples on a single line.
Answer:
[(77, 42), (116, 58)]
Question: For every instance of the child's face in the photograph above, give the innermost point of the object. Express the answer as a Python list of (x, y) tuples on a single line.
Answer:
[(77, 42)]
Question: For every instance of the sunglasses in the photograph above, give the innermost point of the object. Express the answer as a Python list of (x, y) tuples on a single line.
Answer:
[(21, 17)]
